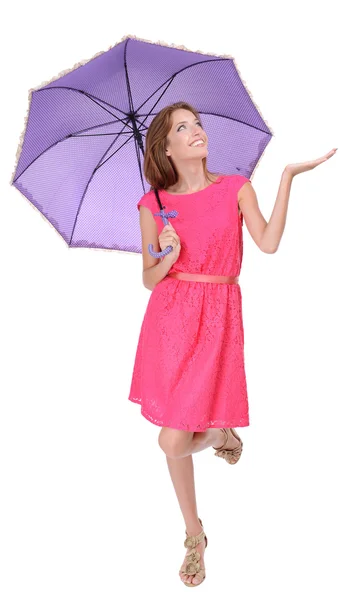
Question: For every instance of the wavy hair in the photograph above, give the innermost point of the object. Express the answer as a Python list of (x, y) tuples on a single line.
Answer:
[(158, 168)]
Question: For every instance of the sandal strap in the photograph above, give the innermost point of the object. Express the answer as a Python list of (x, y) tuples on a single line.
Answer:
[(192, 565), (231, 456), (193, 540), (224, 430), (236, 452)]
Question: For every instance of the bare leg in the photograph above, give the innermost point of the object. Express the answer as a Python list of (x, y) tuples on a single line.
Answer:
[(200, 440), (178, 446), (173, 442), (182, 474), (205, 439)]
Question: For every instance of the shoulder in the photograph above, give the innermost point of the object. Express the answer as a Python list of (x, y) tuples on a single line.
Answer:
[(147, 200), (238, 181)]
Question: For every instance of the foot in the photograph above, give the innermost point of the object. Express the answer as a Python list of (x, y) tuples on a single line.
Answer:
[(197, 578), (231, 443)]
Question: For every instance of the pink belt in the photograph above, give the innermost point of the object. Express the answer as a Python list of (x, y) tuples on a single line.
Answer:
[(203, 277)]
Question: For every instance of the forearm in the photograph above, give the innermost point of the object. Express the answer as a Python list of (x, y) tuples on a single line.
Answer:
[(275, 227), (155, 274)]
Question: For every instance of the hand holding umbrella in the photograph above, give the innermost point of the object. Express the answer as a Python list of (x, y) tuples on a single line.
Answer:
[(169, 241), (296, 168), (166, 248)]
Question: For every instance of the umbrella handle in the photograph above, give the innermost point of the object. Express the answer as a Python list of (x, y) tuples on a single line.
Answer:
[(161, 213), (159, 254)]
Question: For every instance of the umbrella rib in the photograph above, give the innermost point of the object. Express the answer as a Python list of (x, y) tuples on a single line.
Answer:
[(86, 187), (170, 79), (63, 139), (87, 94), (93, 98), (201, 112), (138, 137)]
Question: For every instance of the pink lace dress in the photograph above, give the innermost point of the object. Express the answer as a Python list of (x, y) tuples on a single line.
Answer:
[(189, 368)]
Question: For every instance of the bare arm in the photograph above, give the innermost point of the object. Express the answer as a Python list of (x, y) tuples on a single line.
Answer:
[(154, 269), (267, 236)]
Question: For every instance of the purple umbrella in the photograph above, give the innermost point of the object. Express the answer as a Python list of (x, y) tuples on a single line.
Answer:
[(80, 158)]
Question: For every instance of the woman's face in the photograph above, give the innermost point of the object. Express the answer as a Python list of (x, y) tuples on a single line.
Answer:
[(186, 129)]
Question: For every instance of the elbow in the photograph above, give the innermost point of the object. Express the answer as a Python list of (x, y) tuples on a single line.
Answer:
[(267, 250), (147, 285), (267, 246), (144, 282)]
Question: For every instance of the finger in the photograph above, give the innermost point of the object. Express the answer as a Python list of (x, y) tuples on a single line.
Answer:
[(168, 237), (175, 238), (326, 156)]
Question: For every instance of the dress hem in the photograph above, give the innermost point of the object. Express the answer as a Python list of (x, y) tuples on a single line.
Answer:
[(208, 425)]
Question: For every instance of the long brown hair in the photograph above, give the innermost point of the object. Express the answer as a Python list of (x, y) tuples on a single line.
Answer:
[(159, 169)]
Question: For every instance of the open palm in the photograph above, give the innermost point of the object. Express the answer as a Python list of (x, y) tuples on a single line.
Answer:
[(295, 169)]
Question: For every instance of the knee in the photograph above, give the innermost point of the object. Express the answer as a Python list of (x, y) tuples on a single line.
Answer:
[(174, 442)]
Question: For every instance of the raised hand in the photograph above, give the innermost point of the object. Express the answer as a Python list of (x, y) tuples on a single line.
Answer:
[(295, 169)]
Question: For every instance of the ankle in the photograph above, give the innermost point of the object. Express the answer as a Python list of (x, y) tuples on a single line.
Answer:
[(219, 439), (193, 528)]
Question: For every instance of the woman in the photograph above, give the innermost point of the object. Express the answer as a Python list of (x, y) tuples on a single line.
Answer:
[(189, 374)]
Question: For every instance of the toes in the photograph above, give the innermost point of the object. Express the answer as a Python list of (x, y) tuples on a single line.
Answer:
[(191, 578)]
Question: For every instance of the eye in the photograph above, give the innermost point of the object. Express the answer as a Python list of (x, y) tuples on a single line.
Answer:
[(199, 123)]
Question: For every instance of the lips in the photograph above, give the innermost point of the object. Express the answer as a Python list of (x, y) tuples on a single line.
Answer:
[(198, 140)]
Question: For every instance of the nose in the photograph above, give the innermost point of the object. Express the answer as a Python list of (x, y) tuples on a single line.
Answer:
[(198, 133)]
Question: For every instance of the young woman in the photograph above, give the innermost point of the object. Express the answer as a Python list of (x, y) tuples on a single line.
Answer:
[(189, 375)]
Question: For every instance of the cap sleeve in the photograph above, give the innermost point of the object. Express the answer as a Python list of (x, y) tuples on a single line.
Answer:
[(239, 181), (147, 201), (150, 201)]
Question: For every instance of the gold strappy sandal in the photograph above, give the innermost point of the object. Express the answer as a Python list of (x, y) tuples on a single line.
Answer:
[(192, 564), (231, 456)]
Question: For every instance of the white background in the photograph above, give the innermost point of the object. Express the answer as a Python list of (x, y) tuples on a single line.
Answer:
[(88, 509)]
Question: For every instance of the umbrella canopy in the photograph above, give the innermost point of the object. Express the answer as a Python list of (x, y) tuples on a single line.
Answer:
[(80, 157)]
